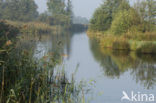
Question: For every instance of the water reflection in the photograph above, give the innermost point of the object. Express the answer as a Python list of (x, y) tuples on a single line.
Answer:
[(111, 70), (114, 63), (29, 74)]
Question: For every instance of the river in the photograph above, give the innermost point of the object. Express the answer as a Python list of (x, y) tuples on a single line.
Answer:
[(107, 73)]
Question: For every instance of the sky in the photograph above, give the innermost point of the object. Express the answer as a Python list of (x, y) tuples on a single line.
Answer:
[(83, 8)]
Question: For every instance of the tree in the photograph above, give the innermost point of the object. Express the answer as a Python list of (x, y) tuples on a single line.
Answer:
[(151, 5), (146, 10), (60, 12), (101, 20), (56, 7), (22, 10), (69, 11), (28, 10), (103, 16), (124, 20)]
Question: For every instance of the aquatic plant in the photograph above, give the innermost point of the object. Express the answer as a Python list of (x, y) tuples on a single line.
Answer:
[(26, 79)]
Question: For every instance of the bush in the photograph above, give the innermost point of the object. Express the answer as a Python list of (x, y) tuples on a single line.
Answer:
[(147, 47), (121, 45), (124, 20)]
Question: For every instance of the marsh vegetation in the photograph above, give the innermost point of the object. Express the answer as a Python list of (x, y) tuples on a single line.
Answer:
[(48, 57)]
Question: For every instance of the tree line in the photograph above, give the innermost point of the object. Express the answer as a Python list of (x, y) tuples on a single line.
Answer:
[(59, 11), (118, 16), (18, 10)]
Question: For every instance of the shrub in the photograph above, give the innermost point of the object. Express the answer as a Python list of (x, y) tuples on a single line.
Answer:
[(121, 45), (147, 47)]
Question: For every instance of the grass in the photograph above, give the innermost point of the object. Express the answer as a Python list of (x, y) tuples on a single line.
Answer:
[(148, 47), (28, 81), (25, 79), (134, 41), (35, 27)]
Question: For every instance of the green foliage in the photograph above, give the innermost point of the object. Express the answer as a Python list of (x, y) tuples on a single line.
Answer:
[(69, 11), (59, 20), (121, 45), (60, 13), (25, 79), (124, 20), (103, 16), (43, 17), (21, 10), (120, 17), (7, 33), (35, 28), (56, 6), (147, 10), (147, 48), (101, 21)]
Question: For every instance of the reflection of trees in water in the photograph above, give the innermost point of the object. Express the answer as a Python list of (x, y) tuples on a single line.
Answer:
[(112, 69), (62, 43), (48, 44), (109, 66), (59, 44), (114, 63), (145, 73)]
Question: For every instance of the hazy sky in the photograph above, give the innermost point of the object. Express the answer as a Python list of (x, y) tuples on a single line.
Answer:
[(84, 8)]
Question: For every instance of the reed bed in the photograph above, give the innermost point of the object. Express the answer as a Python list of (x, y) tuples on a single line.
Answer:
[(140, 42), (35, 27), (25, 79)]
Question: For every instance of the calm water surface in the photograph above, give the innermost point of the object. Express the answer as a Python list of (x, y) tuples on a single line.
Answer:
[(107, 73)]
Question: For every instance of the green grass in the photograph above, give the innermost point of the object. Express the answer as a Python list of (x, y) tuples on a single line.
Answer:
[(26, 80), (147, 47), (121, 45), (134, 41)]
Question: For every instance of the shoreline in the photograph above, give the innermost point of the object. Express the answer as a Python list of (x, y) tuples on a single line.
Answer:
[(124, 42)]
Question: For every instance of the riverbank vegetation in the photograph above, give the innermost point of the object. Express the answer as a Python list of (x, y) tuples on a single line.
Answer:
[(27, 79), (24, 15), (118, 25), (35, 27), (23, 76)]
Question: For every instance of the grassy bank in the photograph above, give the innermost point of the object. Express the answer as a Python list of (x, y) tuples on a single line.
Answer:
[(35, 27), (134, 41)]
